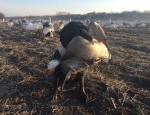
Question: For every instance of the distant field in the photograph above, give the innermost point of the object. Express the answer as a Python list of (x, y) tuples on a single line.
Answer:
[(121, 88), (131, 17)]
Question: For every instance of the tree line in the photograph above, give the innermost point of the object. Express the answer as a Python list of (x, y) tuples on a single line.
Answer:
[(62, 15)]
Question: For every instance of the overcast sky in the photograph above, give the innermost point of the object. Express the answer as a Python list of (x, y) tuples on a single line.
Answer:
[(50, 7)]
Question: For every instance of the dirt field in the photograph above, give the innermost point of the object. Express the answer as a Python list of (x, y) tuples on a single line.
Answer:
[(122, 88)]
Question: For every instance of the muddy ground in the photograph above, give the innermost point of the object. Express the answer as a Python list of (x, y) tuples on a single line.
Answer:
[(121, 88)]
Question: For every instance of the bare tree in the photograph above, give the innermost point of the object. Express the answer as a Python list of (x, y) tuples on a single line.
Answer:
[(2, 15), (62, 15)]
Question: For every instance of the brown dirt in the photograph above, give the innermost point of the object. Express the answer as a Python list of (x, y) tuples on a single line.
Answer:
[(121, 88)]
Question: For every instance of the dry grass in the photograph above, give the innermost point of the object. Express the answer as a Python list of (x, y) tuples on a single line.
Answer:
[(122, 88)]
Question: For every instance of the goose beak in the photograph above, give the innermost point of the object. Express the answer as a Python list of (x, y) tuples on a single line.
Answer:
[(47, 72)]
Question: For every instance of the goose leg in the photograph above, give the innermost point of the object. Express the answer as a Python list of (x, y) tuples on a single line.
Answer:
[(83, 97), (54, 97), (95, 63), (58, 78), (57, 74)]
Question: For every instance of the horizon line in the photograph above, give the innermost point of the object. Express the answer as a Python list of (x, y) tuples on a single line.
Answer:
[(82, 14)]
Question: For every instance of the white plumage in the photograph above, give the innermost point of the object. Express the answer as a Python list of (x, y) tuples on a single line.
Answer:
[(52, 64)]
